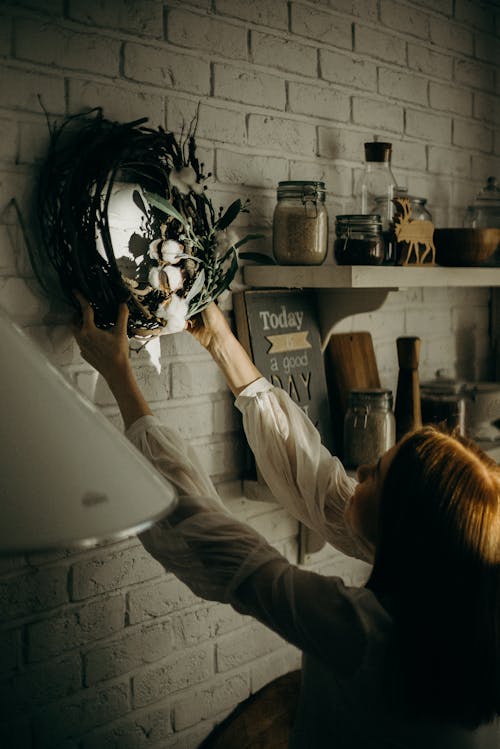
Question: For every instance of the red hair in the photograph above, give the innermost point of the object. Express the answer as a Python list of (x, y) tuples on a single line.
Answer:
[(437, 569)]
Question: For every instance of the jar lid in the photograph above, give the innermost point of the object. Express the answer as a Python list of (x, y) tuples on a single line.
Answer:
[(301, 189), (484, 212), (358, 221), (371, 397), (399, 194), (378, 151), (489, 196), (443, 384)]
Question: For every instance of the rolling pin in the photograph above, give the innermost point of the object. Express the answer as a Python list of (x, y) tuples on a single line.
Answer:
[(407, 410)]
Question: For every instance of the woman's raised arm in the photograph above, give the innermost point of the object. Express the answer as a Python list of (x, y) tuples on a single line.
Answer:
[(108, 352), (212, 330)]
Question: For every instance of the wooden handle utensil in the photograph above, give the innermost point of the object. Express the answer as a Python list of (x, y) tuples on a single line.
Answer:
[(407, 409)]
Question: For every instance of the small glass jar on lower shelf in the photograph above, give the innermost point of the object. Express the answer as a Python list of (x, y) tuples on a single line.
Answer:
[(359, 240), (369, 426)]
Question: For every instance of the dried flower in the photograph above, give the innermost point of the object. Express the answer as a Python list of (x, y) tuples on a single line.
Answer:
[(174, 311)]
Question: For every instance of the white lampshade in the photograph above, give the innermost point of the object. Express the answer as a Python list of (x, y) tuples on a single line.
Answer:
[(67, 476)]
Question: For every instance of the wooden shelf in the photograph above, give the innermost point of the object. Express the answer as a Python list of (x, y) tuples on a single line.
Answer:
[(366, 276)]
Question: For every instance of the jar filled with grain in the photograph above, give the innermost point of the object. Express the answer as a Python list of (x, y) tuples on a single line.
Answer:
[(300, 223), (369, 426)]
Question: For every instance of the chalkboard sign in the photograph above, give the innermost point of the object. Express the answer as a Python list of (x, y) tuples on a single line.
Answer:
[(279, 330)]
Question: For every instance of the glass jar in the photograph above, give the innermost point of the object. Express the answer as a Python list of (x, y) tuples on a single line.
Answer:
[(419, 210), (359, 240), (376, 185), (484, 213), (369, 426), (300, 224), (443, 401)]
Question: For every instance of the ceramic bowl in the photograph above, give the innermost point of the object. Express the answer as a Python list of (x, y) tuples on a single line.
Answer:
[(465, 246)]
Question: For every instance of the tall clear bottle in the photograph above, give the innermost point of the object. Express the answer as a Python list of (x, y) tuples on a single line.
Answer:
[(376, 188)]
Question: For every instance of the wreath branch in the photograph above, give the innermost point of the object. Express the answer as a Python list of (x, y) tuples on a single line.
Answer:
[(88, 157)]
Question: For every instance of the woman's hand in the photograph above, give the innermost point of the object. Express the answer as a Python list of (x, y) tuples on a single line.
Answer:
[(210, 327), (106, 350), (212, 330)]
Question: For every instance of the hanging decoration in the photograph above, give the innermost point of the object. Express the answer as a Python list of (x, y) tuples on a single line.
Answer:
[(124, 216)]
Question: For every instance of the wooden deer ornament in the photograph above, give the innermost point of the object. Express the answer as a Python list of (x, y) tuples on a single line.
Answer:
[(414, 238)]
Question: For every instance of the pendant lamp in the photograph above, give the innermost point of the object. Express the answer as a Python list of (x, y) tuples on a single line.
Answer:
[(67, 476)]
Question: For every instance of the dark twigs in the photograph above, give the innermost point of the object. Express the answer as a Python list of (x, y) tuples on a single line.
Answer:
[(179, 259)]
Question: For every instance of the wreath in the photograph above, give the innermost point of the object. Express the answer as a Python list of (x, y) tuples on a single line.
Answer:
[(99, 178)]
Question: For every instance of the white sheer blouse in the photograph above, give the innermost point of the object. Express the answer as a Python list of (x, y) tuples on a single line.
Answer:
[(344, 632), (201, 542)]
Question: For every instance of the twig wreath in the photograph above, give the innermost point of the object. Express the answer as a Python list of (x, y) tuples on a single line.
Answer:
[(99, 177)]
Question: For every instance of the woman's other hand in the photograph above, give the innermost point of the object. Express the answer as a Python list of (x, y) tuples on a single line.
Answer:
[(106, 350), (210, 327), (212, 330)]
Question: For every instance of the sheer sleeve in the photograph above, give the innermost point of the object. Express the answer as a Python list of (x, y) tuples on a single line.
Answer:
[(200, 542), (300, 472), (220, 558), (223, 559)]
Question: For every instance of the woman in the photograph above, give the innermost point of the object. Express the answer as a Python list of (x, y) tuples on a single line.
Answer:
[(412, 659)]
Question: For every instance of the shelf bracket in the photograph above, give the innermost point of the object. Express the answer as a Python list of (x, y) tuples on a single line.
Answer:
[(335, 305)]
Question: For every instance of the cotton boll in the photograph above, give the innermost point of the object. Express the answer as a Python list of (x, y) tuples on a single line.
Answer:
[(183, 179), (154, 278), (188, 175), (171, 251), (154, 249), (174, 276), (174, 311)]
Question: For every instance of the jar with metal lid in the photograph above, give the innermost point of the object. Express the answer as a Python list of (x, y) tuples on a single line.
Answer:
[(369, 426), (419, 210), (359, 240), (443, 402), (484, 213), (300, 223)]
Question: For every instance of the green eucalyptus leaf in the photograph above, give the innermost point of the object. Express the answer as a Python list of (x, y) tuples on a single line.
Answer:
[(258, 257), (247, 238), (163, 205), (185, 256), (229, 215), (197, 286)]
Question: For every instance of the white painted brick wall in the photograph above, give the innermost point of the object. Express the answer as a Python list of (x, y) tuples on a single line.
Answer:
[(100, 648), (248, 86), (158, 66), (282, 53)]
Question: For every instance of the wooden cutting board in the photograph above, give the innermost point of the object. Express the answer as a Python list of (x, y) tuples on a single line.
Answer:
[(350, 363)]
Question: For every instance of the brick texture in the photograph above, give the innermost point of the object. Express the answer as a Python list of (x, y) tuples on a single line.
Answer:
[(162, 68), (144, 18), (208, 34), (317, 24), (100, 648), (249, 87), (51, 44), (283, 53)]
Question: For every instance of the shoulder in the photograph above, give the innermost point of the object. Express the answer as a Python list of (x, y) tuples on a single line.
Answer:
[(348, 623)]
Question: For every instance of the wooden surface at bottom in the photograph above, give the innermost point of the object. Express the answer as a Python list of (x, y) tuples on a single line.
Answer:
[(263, 721)]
